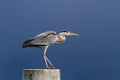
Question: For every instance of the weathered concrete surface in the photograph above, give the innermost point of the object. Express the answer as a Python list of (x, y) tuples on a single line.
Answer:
[(41, 74)]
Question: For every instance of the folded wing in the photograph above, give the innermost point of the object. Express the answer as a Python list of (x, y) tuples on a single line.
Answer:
[(41, 40)]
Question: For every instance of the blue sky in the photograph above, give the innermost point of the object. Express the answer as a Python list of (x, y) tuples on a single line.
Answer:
[(92, 56)]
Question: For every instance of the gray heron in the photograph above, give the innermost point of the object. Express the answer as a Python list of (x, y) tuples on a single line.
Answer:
[(46, 39)]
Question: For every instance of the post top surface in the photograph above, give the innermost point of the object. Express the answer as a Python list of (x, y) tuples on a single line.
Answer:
[(41, 69)]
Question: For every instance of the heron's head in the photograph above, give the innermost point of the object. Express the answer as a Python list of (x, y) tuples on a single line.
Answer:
[(68, 33)]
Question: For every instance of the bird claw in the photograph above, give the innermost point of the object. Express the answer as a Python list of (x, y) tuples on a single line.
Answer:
[(51, 67)]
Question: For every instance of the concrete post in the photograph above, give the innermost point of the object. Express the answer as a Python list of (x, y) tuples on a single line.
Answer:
[(41, 74)]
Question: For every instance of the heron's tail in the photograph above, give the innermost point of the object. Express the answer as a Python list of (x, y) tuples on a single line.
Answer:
[(26, 43)]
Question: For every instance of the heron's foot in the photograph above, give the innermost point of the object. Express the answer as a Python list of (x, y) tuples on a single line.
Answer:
[(51, 67), (47, 67)]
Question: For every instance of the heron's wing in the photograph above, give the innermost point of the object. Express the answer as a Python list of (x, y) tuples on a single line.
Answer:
[(43, 39), (44, 34)]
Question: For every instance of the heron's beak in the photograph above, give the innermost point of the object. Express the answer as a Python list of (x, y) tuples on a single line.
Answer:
[(74, 34)]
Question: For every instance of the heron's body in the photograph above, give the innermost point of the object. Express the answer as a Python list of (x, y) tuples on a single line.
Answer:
[(45, 39)]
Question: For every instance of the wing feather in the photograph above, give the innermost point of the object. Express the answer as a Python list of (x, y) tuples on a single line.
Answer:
[(45, 38), (44, 34)]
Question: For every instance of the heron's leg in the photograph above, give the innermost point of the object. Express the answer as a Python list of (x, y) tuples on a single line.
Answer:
[(45, 57), (49, 61)]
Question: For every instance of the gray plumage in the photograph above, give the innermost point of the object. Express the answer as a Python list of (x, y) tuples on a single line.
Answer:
[(41, 40), (45, 39)]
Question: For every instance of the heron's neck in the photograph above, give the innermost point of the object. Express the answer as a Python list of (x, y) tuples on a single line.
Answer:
[(61, 37)]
